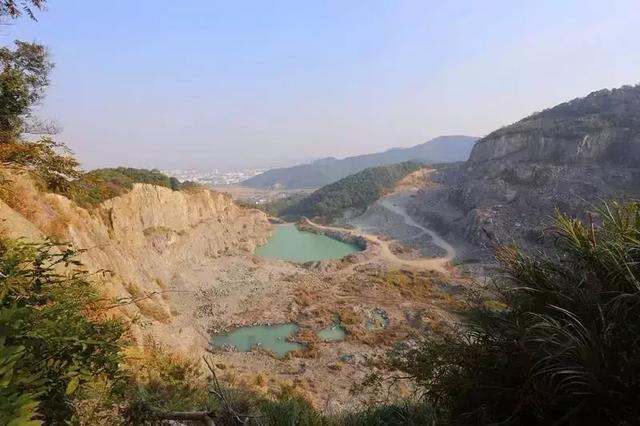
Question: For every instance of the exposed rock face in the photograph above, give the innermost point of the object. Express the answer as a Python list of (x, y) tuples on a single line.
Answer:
[(144, 238), (604, 126), (568, 157)]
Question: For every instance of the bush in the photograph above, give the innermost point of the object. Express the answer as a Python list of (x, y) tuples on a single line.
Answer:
[(54, 340), (165, 381), (291, 412), (562, 346), (407, 414)]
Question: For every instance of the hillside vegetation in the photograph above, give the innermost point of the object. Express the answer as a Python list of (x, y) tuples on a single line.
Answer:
[(357, 191), (443, 149), (98, 185)]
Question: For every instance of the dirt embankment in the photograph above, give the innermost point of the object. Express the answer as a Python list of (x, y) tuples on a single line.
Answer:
[(145, 239)]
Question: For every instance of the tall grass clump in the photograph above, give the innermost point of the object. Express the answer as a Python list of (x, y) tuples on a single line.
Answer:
[(562, 347)]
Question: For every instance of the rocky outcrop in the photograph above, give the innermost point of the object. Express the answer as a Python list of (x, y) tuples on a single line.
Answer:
[(603, 126), (140, 241), (567, 158)]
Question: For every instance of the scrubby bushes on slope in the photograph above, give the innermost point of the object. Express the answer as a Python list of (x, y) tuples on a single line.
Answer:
[(562, 346), (99, 185)]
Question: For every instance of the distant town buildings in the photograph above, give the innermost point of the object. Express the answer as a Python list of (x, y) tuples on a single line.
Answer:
[(214, 176)]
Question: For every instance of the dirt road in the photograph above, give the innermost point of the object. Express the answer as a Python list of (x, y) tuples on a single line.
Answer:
[(436, 264), (395, 206)]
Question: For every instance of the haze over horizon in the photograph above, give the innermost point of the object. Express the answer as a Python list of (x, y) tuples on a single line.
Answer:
[(258, 84)]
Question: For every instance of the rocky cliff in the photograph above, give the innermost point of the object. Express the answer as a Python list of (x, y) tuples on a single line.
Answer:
[(603, 126), (568, 157), (142, 241)]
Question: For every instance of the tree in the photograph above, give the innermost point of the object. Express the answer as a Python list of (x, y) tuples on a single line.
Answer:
[(15, 9), (24, 76)]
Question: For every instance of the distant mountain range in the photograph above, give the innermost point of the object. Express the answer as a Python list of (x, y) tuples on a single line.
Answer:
[(443, 149)]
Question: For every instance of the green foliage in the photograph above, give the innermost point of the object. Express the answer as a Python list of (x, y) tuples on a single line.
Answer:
[(24, 75), (298, 412), (16, 407), (390, 415), (357, 191), (165, 381), (50, 345), (561, 346), (291, 412), (99, 185)]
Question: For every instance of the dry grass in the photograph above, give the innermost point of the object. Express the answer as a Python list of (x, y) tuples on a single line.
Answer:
[(150, 305), (155, 231), (152, 309), (134, 290), (418, 179), (20, 192)]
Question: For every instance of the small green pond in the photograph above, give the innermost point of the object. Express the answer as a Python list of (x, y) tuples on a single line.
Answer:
[(289, 243), (333, 333), (273, 338)]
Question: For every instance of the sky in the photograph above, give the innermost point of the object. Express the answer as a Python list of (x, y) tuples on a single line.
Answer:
[(238, 84)]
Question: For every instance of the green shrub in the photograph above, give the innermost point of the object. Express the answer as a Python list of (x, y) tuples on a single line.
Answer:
[(408, 414), (165, 381), (54, 341), (291, 412)]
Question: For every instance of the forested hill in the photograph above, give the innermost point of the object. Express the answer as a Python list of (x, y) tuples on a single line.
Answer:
[(357, 191), (443, 149)]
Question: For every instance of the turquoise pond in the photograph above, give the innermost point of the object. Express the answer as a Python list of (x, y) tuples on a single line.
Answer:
[(272, 337), (275, 338), (289, 243)]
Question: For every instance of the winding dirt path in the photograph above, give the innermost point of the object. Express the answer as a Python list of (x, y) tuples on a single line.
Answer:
[(437, 239), (436, 264)]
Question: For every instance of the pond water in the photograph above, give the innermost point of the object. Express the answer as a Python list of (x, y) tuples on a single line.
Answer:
[(289, 243), (333, 333), (272, 337)]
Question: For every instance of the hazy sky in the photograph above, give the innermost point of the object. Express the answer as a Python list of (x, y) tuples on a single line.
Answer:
[(203, 83)]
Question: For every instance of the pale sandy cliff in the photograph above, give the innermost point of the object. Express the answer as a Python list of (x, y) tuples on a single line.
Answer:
[(144, 239)]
